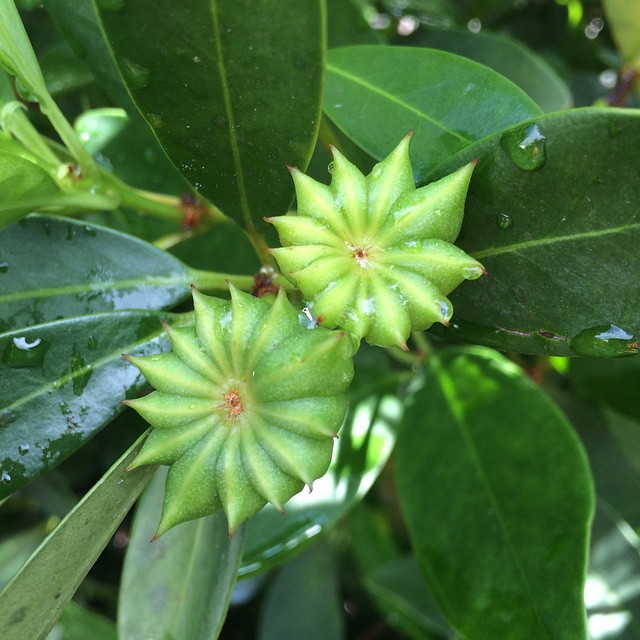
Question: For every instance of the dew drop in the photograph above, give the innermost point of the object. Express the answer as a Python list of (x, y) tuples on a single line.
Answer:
[(4, 267), (89, 230), (136, 75), (331, 167), (21, 353), (23, 449), (525, 145), (504, 221), (5, 477), (196, 59), (606, 341)]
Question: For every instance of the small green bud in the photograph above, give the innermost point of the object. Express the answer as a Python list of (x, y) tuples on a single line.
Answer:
[(245, 407), (374, 255)]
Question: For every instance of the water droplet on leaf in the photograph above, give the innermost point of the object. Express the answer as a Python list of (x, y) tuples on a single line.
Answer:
[(23, 449), (606, 341), (504, 221), (5, 477), (4, 267), (21, 352), (525, 146)]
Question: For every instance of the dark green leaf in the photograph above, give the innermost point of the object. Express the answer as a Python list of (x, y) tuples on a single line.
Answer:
[(229, 113), (78, 623), (63, 381), (179, 585), (497, 496), (365, 444), (399, 590), (614, 383), (377, 94), (346, 25), (88, 269), (143, 164), (304, 601), (63, 71), (504, 55), (30, 604), (556, 241)]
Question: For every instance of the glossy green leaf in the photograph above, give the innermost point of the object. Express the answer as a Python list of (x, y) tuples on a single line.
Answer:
[(304, 600), (89, 269), (346, 25), (135, 156), (624, 20), (497, 496), (62, 382), (506, 56), (399, 589), (30, 604), (230, 114), (377, 94), (179, 585), (362, 449), (552, 215)]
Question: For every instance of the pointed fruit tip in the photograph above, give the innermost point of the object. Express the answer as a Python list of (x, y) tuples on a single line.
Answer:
[(403, 345), (310, 485), (290, 167), (268, 219), (155, 537), (409, 135), (474, 162)]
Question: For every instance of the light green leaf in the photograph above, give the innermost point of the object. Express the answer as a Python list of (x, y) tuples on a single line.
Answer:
[(179, 585), (497, 495), (30, 605), (508, 57), (377, 94), (624, 20)]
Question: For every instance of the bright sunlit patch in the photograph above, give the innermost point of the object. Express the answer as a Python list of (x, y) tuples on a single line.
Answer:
[(608, 625)]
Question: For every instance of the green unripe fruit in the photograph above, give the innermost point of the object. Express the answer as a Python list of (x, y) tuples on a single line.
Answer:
[(245, 409), (374, 255)]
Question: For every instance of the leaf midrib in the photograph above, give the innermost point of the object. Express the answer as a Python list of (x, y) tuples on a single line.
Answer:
[(533, 244), (377, 90), (447, 388)]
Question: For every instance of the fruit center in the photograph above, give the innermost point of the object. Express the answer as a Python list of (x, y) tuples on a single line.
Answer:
[(232, 404), (361, 254)]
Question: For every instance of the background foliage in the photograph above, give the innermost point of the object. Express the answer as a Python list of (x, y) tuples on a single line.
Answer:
[(485, 485)]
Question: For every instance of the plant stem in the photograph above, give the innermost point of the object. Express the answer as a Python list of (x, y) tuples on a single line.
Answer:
[(214, 281)]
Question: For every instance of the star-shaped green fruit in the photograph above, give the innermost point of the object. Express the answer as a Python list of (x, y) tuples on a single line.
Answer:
[(374, 255), (245, 407)]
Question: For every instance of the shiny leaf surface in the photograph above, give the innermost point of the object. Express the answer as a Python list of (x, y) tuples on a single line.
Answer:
[(179, 585), (62, 382), (377, 94), (89, 269), (552, 215), (504, 55), (30, 605), (208, 94), (491, 475)]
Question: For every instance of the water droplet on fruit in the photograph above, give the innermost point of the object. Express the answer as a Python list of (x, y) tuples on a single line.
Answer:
[(504, 221), (331, 167), (136, 75), (23, 449), (606, 341), (22, 352), (525, 146)]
